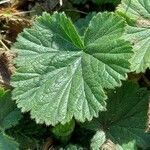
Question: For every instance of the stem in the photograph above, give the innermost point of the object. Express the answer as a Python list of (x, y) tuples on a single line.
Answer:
[(82, 12), (4, 1), (23, 12), (61, 2), (3, 44)]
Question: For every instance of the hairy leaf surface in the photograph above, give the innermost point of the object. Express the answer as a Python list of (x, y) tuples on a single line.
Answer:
[(125, 121), (138, 32), (60, 75), (83, 23), (98, 139)]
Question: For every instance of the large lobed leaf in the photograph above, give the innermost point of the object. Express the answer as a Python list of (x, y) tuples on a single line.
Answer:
[(125, 121), (138, 11), (61, 75)]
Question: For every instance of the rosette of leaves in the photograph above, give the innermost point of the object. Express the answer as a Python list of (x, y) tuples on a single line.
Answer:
[(9, 117), (62, 75), (137, 14), (122, 126)]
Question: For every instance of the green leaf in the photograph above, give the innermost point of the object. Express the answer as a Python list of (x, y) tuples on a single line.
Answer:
[(98, 139), (9, 117), (124, 122), (26, 143), (138, 32), (9, 114), (60, 75), (83, 23), (7, 143), (28, 134), (135, 9)]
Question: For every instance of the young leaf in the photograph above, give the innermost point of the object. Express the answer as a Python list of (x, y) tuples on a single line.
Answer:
[(7, 143), (60, 75), (138, 32), (125, 121), (9, 114), (98, 139)]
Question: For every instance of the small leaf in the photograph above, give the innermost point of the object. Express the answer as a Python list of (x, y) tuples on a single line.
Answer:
[(98, 139), (124, 122), (60, 75), (9, 114), (138, 32), (7, 143)]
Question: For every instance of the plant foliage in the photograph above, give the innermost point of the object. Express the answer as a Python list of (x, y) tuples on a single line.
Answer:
[(62, 75), (9, 116), (138, 32), (80, 75), (124, 121)]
